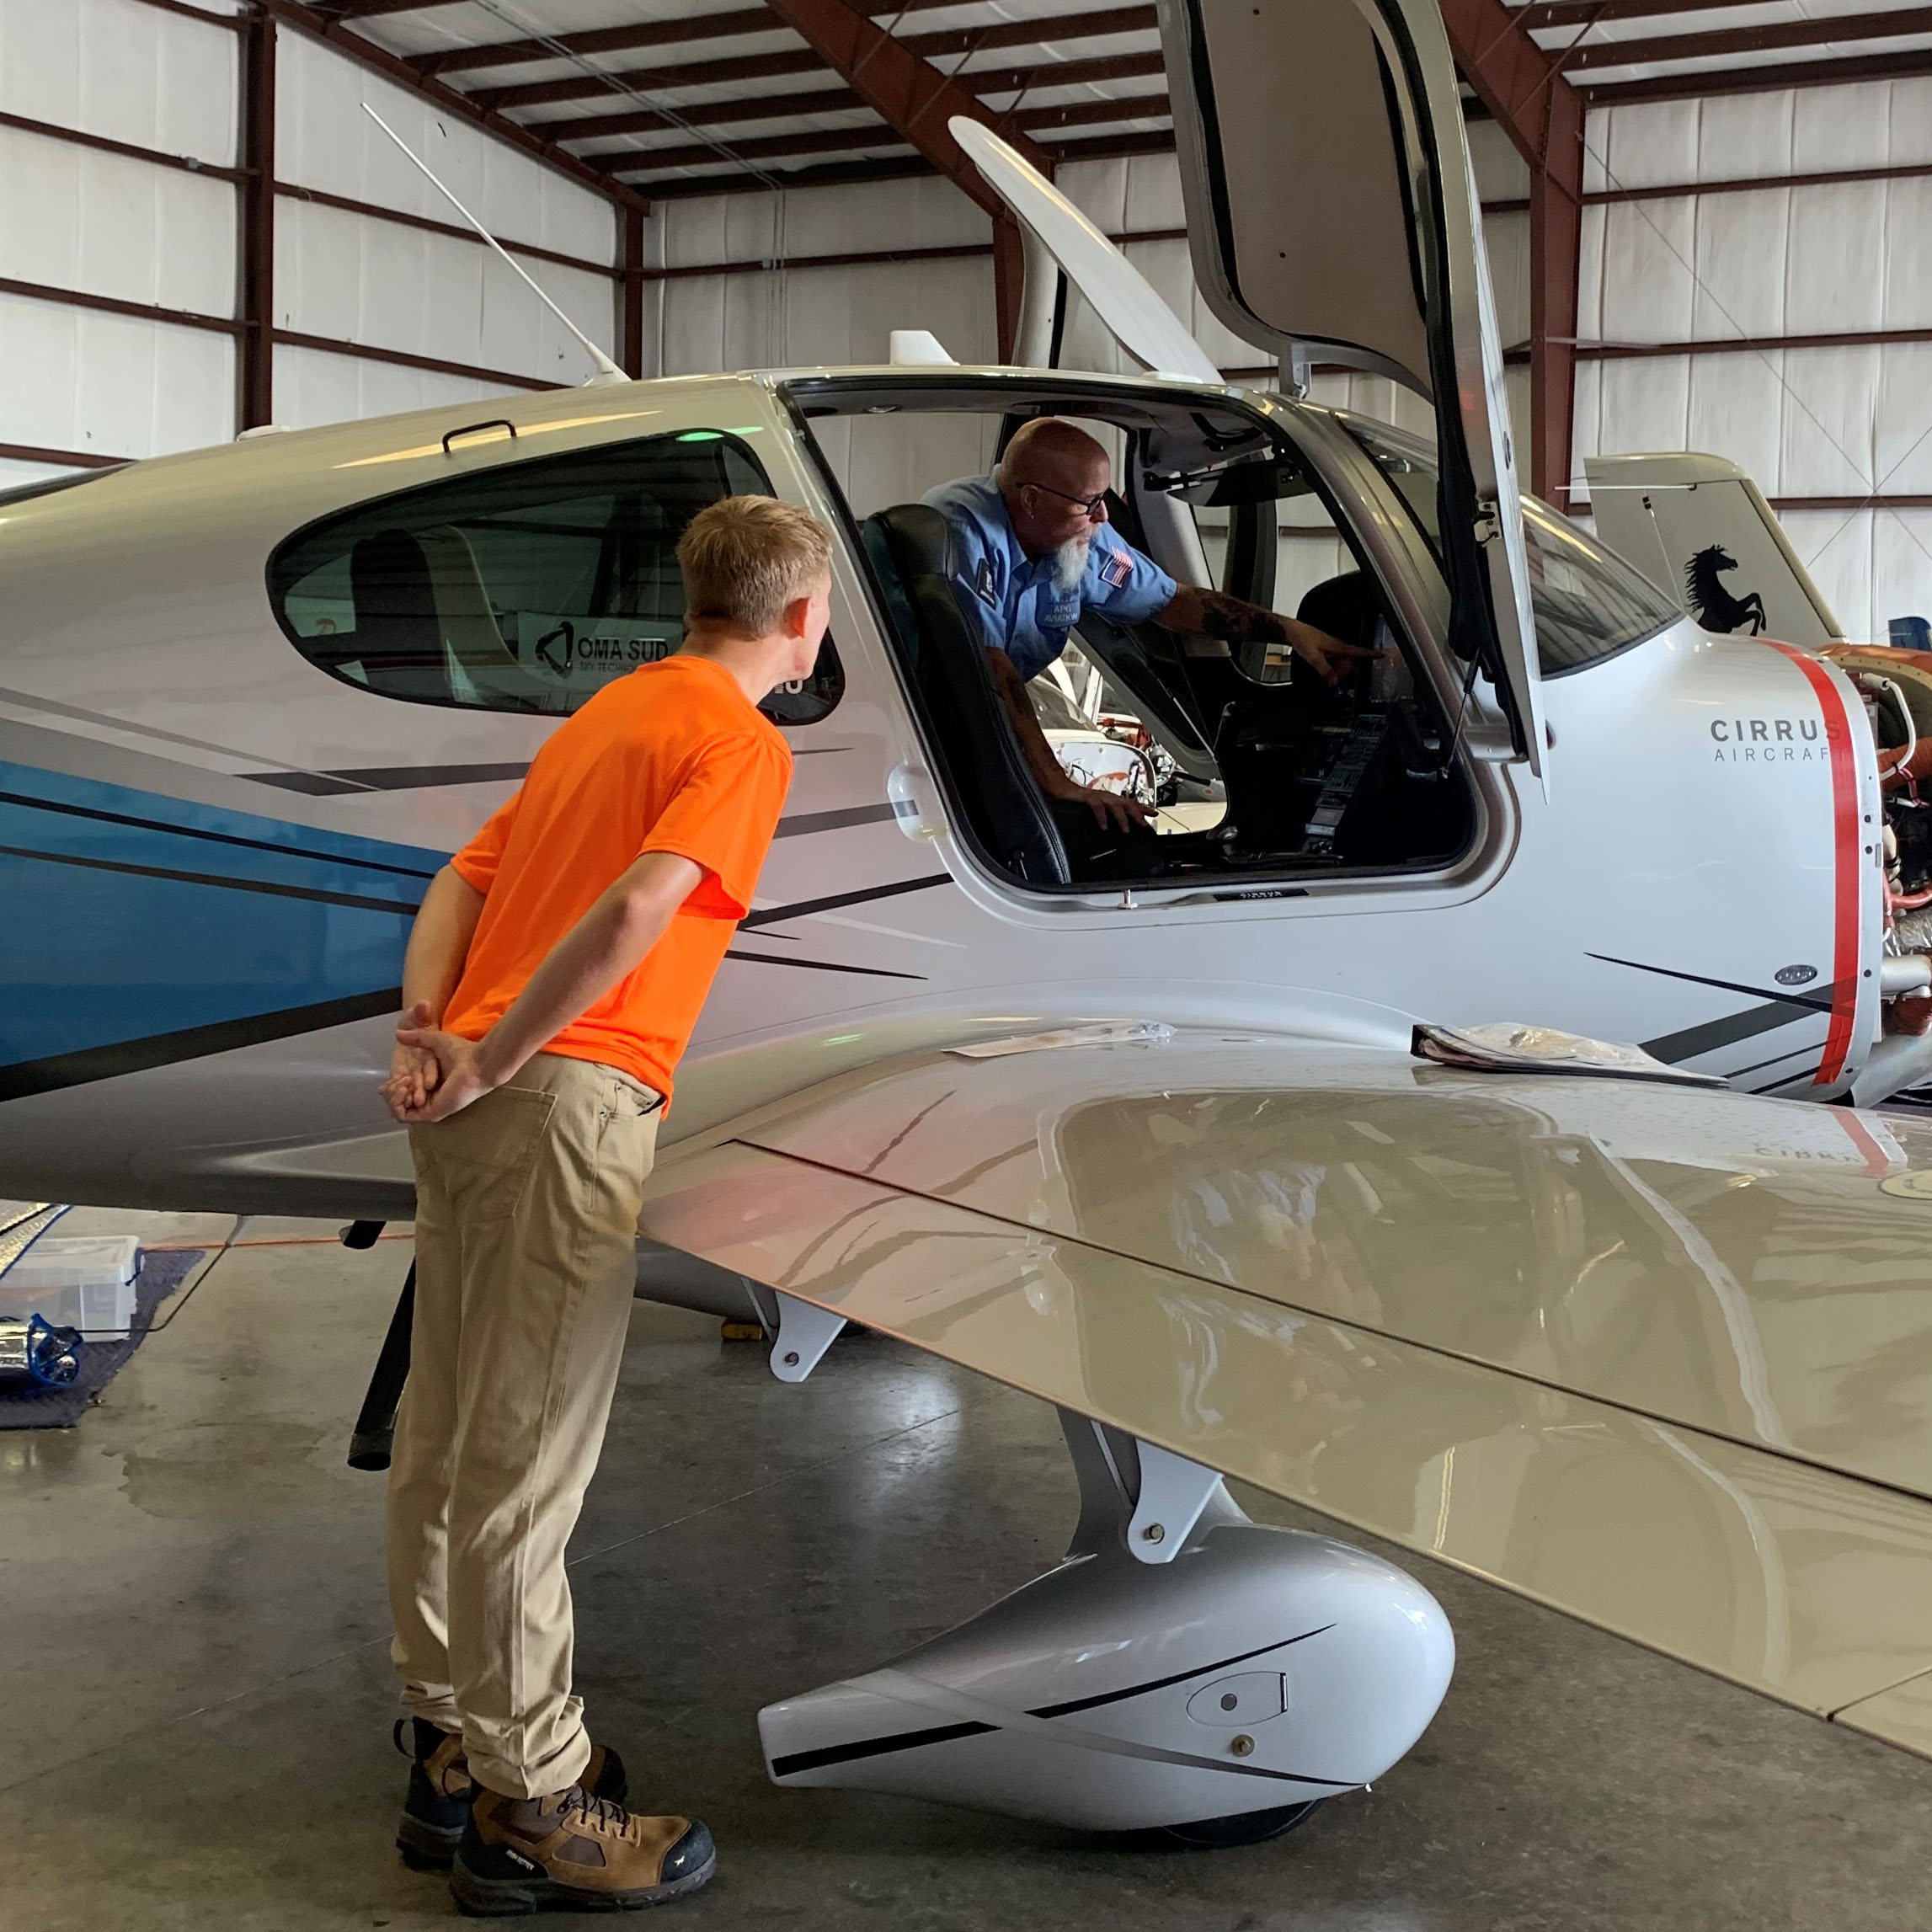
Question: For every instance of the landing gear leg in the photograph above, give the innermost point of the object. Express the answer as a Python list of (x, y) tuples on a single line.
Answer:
[(374, 1430)]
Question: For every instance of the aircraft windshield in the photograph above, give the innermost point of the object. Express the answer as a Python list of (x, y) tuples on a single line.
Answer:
[(1589, 604)]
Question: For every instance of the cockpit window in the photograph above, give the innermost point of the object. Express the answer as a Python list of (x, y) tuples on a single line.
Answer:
[(1589, 604), (525, 586), (1247, 768)]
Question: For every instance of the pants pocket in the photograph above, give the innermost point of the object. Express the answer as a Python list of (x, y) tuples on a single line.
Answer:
[(485, 1155)]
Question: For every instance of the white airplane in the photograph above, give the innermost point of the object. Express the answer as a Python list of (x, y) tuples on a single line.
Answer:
[(1643, 1350)]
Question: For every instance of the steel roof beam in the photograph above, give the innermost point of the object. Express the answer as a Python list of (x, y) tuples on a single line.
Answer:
[(628, 39), (838, 100), (1822, 30), (368, 10), (1772, 77), (802, 60), (873, 134), (650, 80), (1542, 14), (899, 167), (705, 114)]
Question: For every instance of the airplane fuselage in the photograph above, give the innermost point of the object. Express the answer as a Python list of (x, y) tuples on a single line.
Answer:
[(212, 846)]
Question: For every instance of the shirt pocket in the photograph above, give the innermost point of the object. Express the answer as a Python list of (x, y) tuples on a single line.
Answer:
[(1057, 616), (487, 1155)]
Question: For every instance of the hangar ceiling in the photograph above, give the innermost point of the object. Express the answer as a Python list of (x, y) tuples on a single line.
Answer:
[(670, 97)]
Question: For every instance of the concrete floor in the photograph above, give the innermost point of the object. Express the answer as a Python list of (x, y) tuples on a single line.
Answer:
[(195, 1698)]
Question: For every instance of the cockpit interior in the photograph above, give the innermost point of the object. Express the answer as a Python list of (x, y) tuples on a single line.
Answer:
[(1259, 770)]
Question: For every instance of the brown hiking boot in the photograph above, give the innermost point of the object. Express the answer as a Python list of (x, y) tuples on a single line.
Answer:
[(440, 1789), (576, 1852)]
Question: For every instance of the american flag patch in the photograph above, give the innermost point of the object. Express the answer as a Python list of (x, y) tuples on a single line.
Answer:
[(1117, 570)]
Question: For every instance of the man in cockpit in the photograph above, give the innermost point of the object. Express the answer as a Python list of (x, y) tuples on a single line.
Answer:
[(1034, 550)]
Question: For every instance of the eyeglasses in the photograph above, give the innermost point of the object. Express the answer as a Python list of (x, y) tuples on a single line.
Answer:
[(1093, 507)]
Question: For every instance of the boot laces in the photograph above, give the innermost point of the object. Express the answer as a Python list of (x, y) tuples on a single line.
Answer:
[(595, 1812)]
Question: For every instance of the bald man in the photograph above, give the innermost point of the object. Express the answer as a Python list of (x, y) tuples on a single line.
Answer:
[(1035, 551)]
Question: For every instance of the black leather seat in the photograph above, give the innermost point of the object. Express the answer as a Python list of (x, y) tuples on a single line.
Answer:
[(397, 640), (911, 549)]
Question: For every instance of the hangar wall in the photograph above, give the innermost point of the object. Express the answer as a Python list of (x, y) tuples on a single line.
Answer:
[(120, 295), (1797, 317), (1756, 277), (715, 305)]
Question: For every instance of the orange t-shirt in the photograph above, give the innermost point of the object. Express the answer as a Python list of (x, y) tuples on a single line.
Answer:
[(672, 758)]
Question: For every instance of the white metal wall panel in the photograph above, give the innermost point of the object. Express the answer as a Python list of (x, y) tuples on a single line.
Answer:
[(73, 217), (118, 68), (1905, 260), (882, 460), (1502, 174), (1901, 457), (111, 384), (356, 279), (1730, 138), (107, 225), (14, 474), (313, 387), (787, 317), (1847, 420), (327, 141), (922, 212), (802, 317)]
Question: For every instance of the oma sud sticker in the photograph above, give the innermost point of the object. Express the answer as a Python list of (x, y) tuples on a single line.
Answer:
[(1796, 975), (1915, 1186)]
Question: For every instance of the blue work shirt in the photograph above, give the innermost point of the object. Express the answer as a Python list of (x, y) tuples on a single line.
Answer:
[(1012, 595)]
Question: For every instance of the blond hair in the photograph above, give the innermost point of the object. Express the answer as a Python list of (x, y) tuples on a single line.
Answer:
[(745, 558)]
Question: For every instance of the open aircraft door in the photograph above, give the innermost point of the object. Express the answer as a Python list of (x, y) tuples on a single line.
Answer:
[(1332, 213)]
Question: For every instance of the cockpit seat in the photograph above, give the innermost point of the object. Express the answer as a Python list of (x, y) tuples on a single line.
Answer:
[(911, 549), (423, 626), (1346, 607)]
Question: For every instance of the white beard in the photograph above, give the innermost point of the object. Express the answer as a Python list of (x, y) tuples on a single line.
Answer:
[(1069, 565)]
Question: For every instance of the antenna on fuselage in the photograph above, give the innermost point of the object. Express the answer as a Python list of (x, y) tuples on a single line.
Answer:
[(607, 371)]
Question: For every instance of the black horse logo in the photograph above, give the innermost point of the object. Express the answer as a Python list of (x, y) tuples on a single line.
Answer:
[(1713, 605)]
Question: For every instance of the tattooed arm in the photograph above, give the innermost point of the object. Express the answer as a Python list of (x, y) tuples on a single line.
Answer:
[(1215, 614)]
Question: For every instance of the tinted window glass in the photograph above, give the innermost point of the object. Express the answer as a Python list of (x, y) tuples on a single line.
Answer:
[(523, 587), (1589, 604)]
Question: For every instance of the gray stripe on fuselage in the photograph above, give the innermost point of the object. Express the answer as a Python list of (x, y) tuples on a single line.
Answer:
[(1745, 1024), (54, 708), (802, 822), (387, 777)]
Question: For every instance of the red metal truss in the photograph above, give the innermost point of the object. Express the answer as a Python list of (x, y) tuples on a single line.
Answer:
[(1524, 87), (912, 97), (255, 227)]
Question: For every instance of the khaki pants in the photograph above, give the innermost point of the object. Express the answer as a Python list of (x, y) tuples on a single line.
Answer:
[(526, 1219)]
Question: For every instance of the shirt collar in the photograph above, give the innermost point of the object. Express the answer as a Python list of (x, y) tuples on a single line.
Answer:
[(1030, 570)]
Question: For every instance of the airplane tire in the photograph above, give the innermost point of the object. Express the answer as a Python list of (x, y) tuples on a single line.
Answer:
[(1242, 1827)]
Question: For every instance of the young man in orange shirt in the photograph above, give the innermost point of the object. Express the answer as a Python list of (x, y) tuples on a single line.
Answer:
[(553, 977)]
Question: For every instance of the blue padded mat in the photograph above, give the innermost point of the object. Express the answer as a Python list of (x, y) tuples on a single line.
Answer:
[(161, 1275)]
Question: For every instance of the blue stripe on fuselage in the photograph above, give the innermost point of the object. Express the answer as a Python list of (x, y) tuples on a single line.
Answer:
[(91, 955)]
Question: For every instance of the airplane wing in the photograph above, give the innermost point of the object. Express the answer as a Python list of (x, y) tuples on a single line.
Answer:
[(1660, 1358)]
